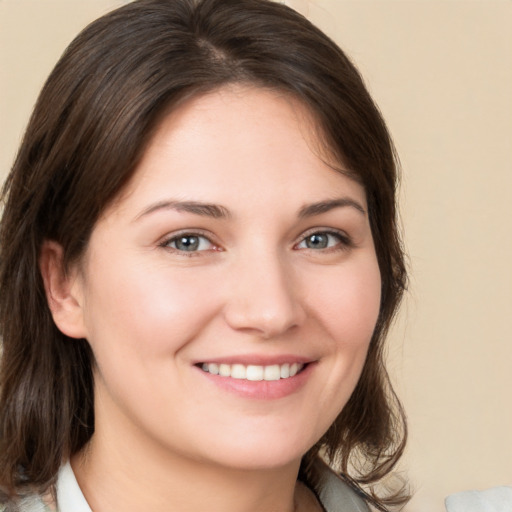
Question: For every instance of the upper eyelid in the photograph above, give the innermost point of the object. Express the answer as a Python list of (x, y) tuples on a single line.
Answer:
[(344, 236), (344, 240), (190, 232), (167, 239), (329, 231)]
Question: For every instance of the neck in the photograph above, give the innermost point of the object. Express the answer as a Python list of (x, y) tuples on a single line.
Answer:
[(145, 478)]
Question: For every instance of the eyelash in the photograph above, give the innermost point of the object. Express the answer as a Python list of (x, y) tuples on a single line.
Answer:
[(343, 241), (165, 244)]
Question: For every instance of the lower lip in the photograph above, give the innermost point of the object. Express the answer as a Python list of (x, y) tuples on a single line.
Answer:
[(262, 389)]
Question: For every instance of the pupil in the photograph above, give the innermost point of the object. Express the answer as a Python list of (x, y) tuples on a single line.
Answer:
[(317, 241), (187, 243)]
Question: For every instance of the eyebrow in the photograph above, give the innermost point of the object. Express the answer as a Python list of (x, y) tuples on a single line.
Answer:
[(196, 207), (216, 211), (313, 209)]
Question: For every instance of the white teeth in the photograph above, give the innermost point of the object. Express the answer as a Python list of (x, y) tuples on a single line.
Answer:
[(253, 372), (272, 372), (224, 370), (238, 371)]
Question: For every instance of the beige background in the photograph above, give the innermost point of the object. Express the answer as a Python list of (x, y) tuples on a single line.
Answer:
[(441, 72)]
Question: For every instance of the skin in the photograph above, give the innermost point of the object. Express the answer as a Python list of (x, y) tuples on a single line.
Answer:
[(168, 437)]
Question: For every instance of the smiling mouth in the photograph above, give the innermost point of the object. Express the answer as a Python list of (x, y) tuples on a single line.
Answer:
[(254, 372)]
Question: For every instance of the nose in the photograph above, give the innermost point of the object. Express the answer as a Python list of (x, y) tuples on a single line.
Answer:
[(263, 298)]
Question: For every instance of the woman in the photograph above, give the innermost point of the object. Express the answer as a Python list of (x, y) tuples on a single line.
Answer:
[(199, 264)]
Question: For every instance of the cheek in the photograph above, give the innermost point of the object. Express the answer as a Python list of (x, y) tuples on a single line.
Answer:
[(348, 304), (147, 310), (346, 308)]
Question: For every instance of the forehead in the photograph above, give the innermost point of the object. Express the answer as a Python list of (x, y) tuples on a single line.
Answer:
[(234, 105), (237, 139)]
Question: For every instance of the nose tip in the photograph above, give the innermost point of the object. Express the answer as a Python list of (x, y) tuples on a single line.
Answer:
[(265, 303)]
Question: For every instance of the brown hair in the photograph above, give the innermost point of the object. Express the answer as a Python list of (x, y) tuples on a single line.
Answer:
[(90, 126)]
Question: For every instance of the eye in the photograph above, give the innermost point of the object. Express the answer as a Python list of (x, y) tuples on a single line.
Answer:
[(323, 240), (188, 242)]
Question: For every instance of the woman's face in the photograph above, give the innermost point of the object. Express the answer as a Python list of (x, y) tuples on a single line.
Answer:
[(234, 249)]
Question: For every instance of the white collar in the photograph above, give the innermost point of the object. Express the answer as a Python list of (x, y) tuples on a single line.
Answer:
[(336, 495), (333, 492), (69, 495)]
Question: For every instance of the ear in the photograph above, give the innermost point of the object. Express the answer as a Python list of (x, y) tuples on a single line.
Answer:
[(64, 291)]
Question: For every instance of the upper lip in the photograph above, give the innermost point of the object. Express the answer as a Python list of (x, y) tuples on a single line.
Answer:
[(257, 359)]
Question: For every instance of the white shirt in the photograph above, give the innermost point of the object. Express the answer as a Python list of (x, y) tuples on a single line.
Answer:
[(334, 494), (497, 499)]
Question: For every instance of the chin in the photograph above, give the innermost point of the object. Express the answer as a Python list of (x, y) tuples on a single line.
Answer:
[(256, 461), (259, 452)]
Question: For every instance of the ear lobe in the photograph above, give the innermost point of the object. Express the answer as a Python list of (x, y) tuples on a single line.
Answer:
[(63, 291)]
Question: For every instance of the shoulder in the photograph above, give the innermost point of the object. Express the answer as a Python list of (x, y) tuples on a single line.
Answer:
[(33, 503), (497, 499), (335, 494)]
